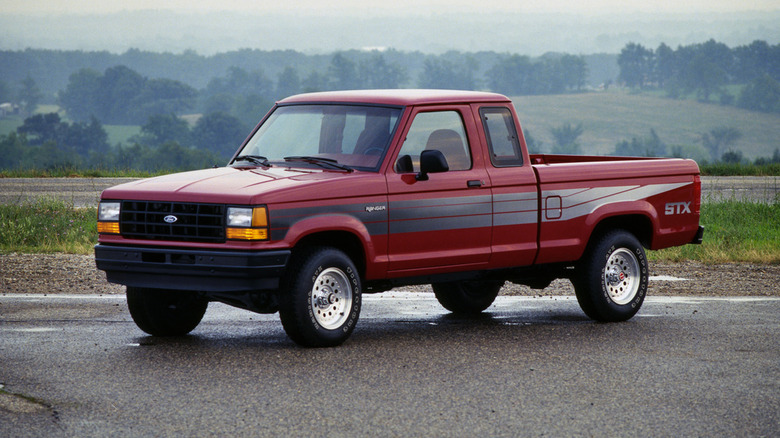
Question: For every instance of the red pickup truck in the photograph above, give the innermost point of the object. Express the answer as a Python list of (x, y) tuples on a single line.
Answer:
[(337, 194)]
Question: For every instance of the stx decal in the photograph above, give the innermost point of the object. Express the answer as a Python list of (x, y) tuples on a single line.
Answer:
[(677, 208)]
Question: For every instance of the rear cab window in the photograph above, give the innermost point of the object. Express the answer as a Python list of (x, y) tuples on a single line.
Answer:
[(501, 135)]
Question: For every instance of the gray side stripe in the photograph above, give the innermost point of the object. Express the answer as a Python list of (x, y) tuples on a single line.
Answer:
[(581, 202)]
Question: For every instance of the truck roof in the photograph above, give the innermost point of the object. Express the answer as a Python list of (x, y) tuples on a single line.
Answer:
[(400, 97)]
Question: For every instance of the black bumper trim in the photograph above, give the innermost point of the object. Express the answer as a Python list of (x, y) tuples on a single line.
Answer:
[(195, 270), (699, 237)]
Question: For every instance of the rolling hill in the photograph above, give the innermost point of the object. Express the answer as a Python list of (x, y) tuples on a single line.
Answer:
[(612, 116)]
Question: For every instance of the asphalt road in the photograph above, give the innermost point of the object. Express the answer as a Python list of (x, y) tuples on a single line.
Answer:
[(532, 366), (85, 192)]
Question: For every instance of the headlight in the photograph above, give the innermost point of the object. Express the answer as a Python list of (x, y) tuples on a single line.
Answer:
[(247, 223), (108, 217), (108, 211)]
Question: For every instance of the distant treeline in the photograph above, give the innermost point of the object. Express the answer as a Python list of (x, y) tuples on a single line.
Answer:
[(710, 69), (51, 69), (226, 94)]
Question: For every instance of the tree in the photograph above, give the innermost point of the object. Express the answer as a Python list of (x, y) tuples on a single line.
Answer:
[(13, 148), (565, 138), (80, 137), (574, 71), (162, 128), (342, 73), (651, 146), (703, 76), (443, 74), (635, 63), (511, 76), (752, 61), (6, 95), (162, 96), (666, 67), (119, 87), (375, 72), (315, 81), (239, 82), (80, 97), (29, 95), (762, 94), (718, 139), (534, 146), (220, 133), (288, 83), (43, 128), (86, 138)]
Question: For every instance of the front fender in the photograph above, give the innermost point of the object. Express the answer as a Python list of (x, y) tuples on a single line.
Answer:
[(373, 241)]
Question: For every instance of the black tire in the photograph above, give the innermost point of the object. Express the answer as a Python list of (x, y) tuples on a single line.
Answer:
[(320, 300), (162, 312), (467, 297), (611, 278)]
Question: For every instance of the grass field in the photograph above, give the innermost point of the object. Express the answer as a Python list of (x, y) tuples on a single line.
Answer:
[(121, 133), (607, 118), (616, 115), (735, 232)]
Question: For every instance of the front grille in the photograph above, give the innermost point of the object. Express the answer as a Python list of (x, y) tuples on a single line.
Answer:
[(193, 222)]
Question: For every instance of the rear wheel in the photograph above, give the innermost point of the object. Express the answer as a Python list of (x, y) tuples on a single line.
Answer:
[(162, 312), (467, 297), (611, 279), (320, 301)]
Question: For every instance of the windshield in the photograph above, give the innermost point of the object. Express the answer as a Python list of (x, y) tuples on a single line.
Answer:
[(353, 136)]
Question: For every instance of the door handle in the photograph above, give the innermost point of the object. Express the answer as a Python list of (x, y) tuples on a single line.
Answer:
[(474, 183)]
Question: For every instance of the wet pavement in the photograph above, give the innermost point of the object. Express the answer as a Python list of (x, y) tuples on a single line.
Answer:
[(77, 365)]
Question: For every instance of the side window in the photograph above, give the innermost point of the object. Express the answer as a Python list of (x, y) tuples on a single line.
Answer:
[(501, 137), (441, 130)]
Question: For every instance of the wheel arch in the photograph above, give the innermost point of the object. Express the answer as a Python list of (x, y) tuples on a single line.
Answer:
[(639, 225), (342, 240)]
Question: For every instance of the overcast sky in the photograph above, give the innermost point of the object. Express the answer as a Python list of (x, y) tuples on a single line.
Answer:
[(530, 27), (586, 7)]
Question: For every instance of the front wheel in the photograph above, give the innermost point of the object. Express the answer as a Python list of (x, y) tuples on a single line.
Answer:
[(162, 312), (320, 300), (611, 279), (467, 297)]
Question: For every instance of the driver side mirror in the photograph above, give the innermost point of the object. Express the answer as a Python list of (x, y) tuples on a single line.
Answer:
[(431, 161)]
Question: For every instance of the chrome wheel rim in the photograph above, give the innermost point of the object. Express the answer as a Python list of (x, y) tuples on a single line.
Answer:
[(621, 276), (331, 298)]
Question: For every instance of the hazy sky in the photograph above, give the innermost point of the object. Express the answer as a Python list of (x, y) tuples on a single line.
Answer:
[(530, 27), (588, 7)]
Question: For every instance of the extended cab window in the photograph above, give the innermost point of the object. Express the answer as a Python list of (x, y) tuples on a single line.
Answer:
[(501, 137), (440, 130)]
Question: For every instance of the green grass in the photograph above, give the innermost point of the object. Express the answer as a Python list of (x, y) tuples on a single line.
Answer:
[(78, 173), (734, 232), (736, 169), (612, 116), (121, 133), (9, 125), (47, 226)]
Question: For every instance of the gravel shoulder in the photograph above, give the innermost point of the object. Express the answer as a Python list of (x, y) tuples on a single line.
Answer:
[(77, 274)]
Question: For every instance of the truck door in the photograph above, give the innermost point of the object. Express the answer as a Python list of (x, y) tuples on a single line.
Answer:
[(514, 188), (446, 219)]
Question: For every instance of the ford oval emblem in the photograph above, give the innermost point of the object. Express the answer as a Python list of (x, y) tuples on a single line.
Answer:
[(170, 219)]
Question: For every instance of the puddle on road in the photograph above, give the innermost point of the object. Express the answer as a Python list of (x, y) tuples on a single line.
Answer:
[(30, 330)]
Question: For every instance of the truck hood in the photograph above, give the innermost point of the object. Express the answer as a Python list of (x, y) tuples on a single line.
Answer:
[(228, 185)]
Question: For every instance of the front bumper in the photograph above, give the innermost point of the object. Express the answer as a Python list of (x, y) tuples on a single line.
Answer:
[(194, 270)]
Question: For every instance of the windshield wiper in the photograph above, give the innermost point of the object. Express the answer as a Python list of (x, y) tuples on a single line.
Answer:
[(319, 161), (255, 159)]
